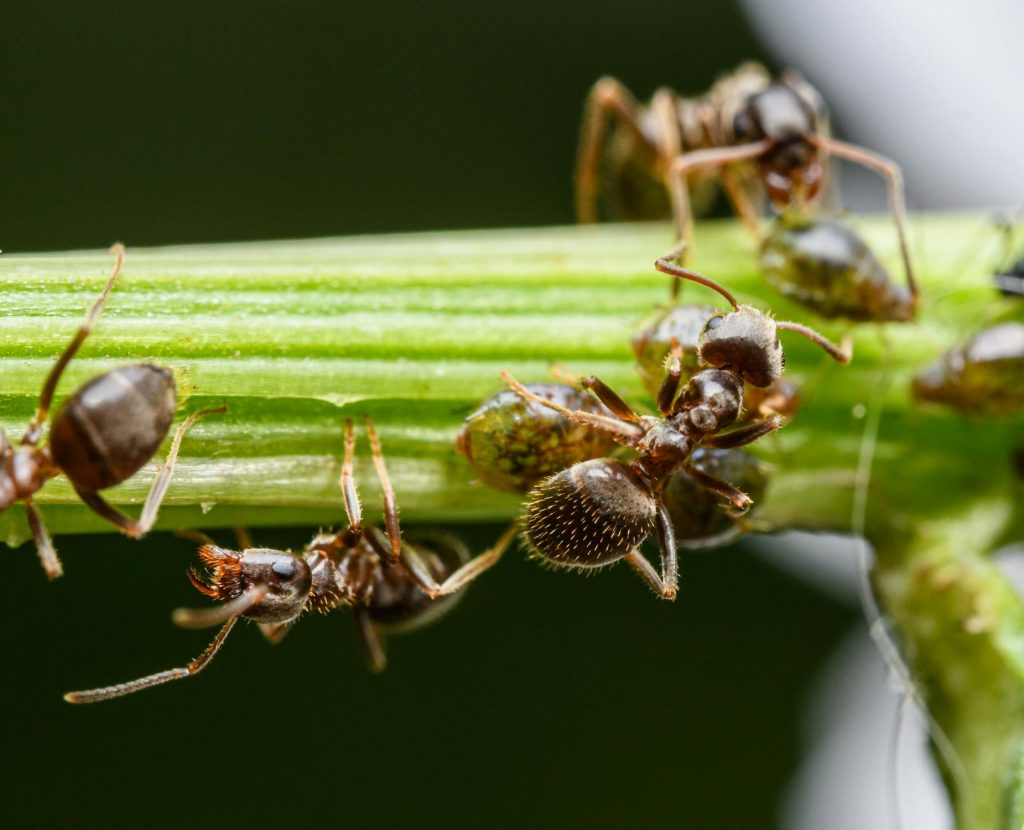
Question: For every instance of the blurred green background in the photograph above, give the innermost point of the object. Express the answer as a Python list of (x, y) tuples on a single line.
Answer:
[(545, 699)]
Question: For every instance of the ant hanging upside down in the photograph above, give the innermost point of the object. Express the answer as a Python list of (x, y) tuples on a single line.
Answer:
[(387, 582)]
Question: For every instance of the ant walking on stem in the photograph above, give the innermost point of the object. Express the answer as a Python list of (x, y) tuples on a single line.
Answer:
[(389, 584), (102, 435)]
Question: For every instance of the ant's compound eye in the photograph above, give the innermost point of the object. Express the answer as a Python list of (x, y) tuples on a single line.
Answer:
[(714, 322), (285, 569)]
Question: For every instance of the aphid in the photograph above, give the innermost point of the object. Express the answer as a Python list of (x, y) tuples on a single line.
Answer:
[(600, 511), (681, 326), (513, 443), (825, 265), (749, 129), (985, 375), (697, 516), (389, 584), (101, 435)]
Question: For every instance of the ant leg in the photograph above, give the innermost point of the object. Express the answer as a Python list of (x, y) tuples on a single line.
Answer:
[(607, 99), (274, 632), (622, 432), (720, 488), (744, 435), (666, 583), (349, 492), (244, 538), (390, 505), (44, 544), (196, 666), (463, 575), (370, 640), (137, 528), (35, 426), (209, 617), (890, 171), (676, 182), (618, 407), (673, 375), (741, 203)]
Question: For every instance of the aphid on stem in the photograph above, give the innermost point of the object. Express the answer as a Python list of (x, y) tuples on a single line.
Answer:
[(103, 434), (389, 583)]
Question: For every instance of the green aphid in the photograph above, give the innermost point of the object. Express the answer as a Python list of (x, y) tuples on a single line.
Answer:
[(825, 265), (513, 444)]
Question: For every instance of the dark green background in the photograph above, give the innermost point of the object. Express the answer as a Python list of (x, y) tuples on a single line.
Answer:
[(545, 700)]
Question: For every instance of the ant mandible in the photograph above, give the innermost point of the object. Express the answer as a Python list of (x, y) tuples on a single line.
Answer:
[(102, 435), (387, 582), (747, 119)]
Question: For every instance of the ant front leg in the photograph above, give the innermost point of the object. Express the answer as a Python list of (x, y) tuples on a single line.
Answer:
[(666, 583), (35, 426), (196, 666), (740, 500), (744, 435), (673, 376), (137, 528), (456, 581), (370, 640), (607, 99), (621, 431)]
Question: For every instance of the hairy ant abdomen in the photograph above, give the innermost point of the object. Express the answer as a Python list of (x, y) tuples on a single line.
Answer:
[(110, 427), (592, 514)]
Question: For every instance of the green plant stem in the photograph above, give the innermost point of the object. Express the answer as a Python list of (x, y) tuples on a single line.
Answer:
[(414, 330)]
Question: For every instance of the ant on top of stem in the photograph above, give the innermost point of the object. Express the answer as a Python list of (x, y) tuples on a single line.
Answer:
[(102, 435), (599, 511), (389, 584)]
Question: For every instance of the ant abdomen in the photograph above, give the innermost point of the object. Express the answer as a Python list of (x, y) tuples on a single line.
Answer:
[(513, 443), (399, 605), (591, 514), (825, 265), (111, 426)]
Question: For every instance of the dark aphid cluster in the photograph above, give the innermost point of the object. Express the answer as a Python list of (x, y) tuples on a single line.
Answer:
[(389, 584), (512, 443), (102, 434)]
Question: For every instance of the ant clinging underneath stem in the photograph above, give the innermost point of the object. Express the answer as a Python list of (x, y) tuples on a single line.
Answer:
[(102, 435), (388, 583)]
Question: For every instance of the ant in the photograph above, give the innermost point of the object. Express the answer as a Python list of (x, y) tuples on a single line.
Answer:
[(748, 127), (599, 511), (102, 435), (388, 583)]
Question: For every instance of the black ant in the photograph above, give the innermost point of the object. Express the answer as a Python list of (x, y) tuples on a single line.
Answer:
[(388, 583), (747, 126), (599, 511), (101, 435)]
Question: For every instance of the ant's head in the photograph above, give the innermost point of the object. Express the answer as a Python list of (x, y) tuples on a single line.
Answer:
[(286, 579), (744, 341)]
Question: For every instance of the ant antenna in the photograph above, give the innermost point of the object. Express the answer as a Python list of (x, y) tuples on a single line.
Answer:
[(679, 272), (842, 353)]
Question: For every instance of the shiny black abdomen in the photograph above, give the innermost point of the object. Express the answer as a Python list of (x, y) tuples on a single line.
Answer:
[(111, 426)]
